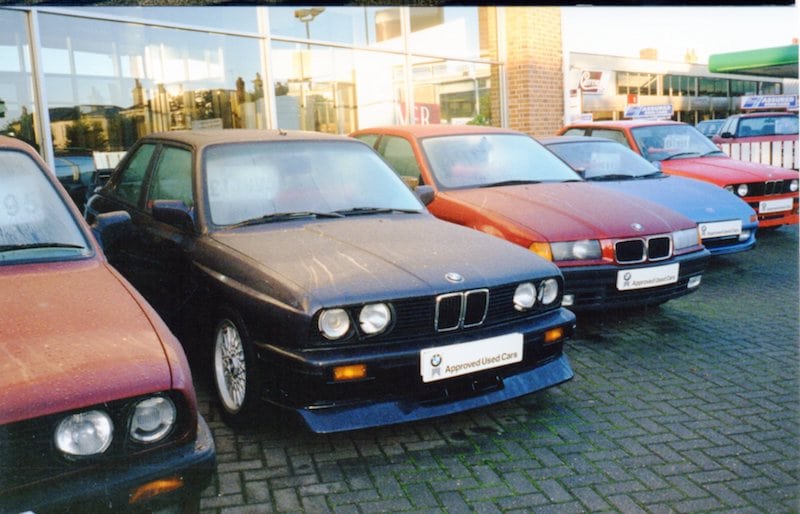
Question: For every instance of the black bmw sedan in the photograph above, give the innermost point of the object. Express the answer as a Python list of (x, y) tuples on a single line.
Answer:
[(321, 284)]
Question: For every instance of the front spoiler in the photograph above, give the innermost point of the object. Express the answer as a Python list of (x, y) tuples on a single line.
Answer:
[(343, 418)]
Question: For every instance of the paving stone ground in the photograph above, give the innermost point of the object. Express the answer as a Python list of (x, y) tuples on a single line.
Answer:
[(689, 407)]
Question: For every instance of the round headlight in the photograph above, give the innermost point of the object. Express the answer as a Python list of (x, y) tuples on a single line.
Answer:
[(334, 323), (86, 433), (548, 291), (793, 185), (742, 189), (524, 296), (374, 318), (152, 419)]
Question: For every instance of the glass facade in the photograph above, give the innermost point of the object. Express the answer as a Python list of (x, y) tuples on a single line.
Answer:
[(112, 75)]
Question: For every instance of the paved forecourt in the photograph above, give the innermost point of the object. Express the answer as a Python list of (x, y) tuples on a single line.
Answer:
[(690, 407)]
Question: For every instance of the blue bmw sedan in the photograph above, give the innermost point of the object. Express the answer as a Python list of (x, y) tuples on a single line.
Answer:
[(727, 224)]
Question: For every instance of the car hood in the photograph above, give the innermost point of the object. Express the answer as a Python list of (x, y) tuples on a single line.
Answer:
[(571, 211), (359, 258), (725, 170), (699, 201), (72, 335)]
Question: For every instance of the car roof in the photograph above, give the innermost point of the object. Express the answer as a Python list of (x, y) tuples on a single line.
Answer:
[(625, 123), (573, 139), (764, 114), (437, 129), (200, 138), (17, 144)]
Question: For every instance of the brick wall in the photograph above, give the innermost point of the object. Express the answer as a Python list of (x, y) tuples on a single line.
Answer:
[(534, 70)]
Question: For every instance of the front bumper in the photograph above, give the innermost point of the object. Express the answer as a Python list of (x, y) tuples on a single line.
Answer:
[(595, 287), (108, 489), (393, 391), (774, 219)]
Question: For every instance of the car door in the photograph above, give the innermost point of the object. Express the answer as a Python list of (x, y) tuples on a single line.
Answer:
[(166, 247)]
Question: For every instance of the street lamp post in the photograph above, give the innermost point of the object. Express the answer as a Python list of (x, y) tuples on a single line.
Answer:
[(305, 15)]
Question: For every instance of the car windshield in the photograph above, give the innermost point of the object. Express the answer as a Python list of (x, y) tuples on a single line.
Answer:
[(280, 180), (481, 160), (664, 142), (710, 127), (35, 224), (767, 126), (599, 160)]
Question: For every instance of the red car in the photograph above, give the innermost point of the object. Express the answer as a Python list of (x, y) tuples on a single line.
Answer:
[(614, 249), (97, 407), (756, 127), (683, 150)]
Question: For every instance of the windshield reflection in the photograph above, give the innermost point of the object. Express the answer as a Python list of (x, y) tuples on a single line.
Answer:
[(478, 160), (600, 159), (663, 142), (271, 181)]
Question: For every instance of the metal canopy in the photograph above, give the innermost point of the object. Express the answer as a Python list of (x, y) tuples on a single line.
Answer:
[(778, 62)]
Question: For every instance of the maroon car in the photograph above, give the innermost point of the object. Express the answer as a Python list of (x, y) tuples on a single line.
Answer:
[(97, 406), (614, 249)]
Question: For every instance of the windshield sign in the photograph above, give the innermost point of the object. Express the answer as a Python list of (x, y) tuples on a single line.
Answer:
[(663, 142), (600, 159), (34, 222), (279, 181), (480, 160)]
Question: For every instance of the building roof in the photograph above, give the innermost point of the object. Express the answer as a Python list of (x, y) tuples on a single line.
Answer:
[(778, 62)]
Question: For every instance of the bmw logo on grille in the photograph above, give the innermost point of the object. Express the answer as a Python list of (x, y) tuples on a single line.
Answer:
[(454, 277), (436, 360), (637, 227)]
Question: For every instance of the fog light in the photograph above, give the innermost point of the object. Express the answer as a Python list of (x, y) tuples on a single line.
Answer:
[(351, 372), (152, 489), (553, 335), (694, 281), (567, 300), (744, 236)]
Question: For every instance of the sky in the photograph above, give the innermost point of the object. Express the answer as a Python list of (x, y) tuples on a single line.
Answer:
[(623, 31)]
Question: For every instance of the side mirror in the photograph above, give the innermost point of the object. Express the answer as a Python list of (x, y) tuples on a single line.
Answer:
[(110, 227), (726, 135), (425, 194), (581, 172), (173, 212)]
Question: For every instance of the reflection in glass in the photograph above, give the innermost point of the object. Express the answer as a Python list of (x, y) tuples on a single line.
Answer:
[(239, 18), (110, 83), (447, 91), (347, 25), (16, 87), (334, 90)]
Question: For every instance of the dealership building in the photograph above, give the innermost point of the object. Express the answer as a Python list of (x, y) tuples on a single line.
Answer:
[(94, 79)]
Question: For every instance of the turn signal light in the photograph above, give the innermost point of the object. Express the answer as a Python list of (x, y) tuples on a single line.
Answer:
[(553, 335), (542, 249), (351, 372), (152, 489)]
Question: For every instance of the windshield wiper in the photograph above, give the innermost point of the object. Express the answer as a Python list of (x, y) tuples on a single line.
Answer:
[(512, 183), (283, 216), (29, 246), (373, 210), (679, 154), (712, 152), (611, 176)]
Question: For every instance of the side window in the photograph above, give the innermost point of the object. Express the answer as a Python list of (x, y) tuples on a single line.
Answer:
[(172, 179), (368, 138), (615, 135), (129, 184), (400, 156)]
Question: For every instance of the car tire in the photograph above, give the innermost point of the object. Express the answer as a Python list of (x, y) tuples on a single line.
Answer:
[(237, 381)]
